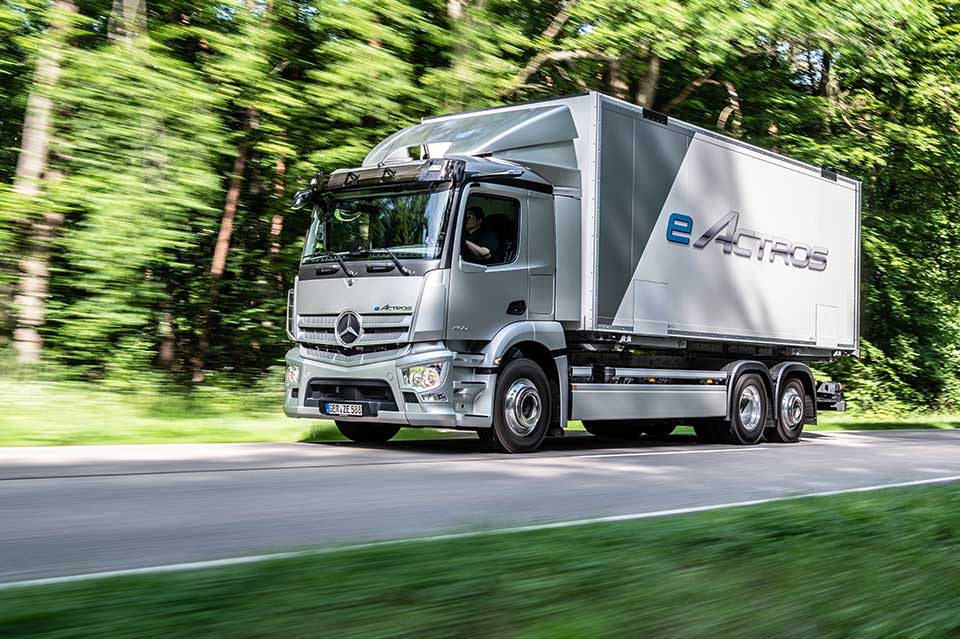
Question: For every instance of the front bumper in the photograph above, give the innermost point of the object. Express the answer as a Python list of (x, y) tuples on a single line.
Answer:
[(468, 395)]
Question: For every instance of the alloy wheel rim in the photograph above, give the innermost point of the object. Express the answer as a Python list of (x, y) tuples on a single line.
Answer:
[(791, 409), (523, 407), (749, 408)]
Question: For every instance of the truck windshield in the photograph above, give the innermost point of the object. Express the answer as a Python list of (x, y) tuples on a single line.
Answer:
[(358, 225)]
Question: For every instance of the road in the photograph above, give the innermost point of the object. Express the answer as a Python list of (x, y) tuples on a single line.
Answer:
[(75, 510)]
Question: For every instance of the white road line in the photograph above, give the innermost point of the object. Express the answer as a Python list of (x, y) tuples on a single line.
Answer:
[(234, 561)]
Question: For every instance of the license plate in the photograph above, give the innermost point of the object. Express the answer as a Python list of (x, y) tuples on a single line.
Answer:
[(351, 410)]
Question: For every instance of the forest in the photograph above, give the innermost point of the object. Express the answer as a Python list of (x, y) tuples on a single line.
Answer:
[(149, 150)]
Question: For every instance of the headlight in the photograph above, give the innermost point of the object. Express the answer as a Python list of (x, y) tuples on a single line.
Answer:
[(293, 375), (424, 377)]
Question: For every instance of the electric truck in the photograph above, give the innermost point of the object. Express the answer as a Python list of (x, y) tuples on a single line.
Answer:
[(512, 269)]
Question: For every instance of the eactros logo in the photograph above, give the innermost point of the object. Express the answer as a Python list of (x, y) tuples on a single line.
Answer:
[(745, 242), (394, 308)]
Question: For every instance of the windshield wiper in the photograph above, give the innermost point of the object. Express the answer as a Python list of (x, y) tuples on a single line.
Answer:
[(336, 256), (400, 267), (393, 257)]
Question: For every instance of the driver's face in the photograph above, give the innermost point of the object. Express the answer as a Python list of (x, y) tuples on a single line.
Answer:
[(471, 221)]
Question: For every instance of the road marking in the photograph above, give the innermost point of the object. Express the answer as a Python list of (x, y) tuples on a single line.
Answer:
[(234, 561)]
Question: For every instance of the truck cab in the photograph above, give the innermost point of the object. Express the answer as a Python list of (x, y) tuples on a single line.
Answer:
[(415, 279)]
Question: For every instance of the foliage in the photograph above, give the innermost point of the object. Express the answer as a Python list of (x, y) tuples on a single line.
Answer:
[(153, 116)]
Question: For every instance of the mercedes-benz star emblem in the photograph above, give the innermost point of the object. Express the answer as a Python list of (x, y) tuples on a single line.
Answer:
[(349, 329)]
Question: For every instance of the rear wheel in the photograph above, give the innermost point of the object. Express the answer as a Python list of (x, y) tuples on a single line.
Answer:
[(366, 432), (521, 415), (749, 412), (791, 414)]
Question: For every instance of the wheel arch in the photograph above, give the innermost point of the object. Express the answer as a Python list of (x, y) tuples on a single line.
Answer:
[(735, 370), (551, 367), (783, 373), (543, 343)]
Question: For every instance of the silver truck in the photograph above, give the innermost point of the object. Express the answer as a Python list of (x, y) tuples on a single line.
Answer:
[(580, 258)]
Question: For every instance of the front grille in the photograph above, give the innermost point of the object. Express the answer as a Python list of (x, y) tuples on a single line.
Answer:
[(378, 329), (374, 394)]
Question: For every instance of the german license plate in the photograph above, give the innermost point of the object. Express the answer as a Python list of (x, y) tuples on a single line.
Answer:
[(351, 410)]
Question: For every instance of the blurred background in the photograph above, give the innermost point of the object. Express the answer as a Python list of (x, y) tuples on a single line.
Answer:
[(149, 149)]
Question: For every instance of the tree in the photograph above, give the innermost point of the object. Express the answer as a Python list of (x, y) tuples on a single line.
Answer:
[(32, 170)]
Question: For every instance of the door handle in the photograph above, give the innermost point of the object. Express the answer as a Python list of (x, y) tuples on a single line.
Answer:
[(518, 307)]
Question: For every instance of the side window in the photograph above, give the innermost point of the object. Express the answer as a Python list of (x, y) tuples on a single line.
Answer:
[(490, 230)]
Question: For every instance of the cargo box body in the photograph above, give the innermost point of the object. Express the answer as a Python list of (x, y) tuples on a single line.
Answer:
[(696, 235)]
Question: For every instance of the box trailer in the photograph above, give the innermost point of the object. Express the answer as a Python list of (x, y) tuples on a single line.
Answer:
[(509, 269)]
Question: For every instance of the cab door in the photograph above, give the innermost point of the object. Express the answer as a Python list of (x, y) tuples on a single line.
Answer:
[(486, 295)]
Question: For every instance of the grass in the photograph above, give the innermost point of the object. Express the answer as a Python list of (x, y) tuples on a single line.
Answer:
[(57, 413), (882, 565), (842, 421)]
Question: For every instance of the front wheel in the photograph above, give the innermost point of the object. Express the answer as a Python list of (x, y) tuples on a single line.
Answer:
[(521, 414), (367, 433)]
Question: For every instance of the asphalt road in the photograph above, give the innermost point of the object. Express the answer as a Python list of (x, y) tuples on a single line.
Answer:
[(75, 510)]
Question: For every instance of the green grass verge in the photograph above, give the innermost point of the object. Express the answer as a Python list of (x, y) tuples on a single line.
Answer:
[(883, 565), (59, 414), (842, 421), (52, 413)]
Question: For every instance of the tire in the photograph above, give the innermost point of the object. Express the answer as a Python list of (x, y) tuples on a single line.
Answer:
[(749, 412), (366, 432), (521, 412), (613, 428), (792, 405)]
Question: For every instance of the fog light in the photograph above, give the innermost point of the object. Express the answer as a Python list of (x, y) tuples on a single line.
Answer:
[(424, 377), (293, 375)]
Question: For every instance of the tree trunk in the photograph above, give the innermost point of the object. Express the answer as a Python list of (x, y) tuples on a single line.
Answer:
[(615, 80), (651, 79), (222, 248), (823, 88), (219, 264), (32, 168), (128, 19), (167, 353), (276, 224)]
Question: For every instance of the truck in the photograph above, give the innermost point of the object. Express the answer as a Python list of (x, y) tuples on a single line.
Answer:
[(512, 269)]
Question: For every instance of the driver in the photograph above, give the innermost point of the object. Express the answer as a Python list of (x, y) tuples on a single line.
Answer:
[(479, 243)]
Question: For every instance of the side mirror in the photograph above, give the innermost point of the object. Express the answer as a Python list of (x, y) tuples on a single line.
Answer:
[(302, 198)]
